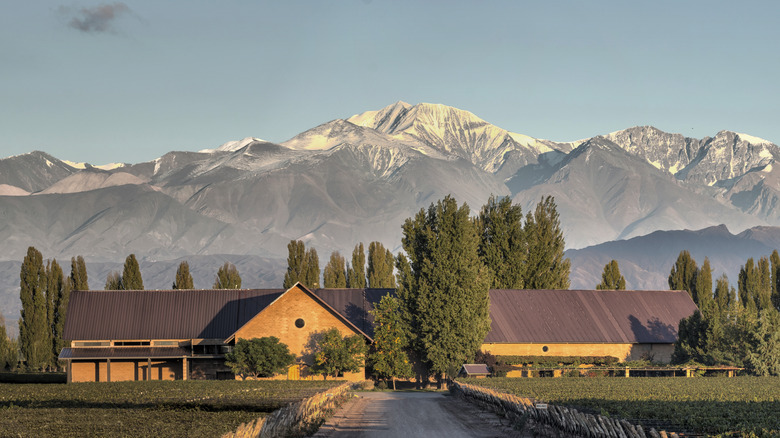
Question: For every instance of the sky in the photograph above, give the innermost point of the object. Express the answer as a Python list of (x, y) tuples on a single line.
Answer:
[(128, 81)]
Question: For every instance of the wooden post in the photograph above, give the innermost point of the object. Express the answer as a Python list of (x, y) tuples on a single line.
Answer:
[(108, 369), (627, 372), (184, 369), (70, 371), (148, 368)]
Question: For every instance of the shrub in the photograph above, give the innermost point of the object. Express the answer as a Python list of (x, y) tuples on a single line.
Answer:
[(259, 357)]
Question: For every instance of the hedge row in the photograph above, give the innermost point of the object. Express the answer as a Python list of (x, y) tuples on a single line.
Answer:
[(554, 361)]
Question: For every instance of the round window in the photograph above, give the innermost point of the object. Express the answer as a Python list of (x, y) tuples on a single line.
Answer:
[(545, 349), (300, 323)]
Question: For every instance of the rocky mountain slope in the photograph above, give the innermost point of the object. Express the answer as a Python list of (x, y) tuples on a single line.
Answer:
[(356, 179)]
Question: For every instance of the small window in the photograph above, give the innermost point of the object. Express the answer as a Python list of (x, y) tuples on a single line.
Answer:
[(300, 322), (545, 349), (131, 343)]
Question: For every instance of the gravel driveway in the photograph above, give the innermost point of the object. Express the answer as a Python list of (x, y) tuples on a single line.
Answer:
[(412, 414)]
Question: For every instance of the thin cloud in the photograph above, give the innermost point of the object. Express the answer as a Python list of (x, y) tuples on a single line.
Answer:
[(97, 19)]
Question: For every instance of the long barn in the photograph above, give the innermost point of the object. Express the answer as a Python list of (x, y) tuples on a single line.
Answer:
[(184, 334)]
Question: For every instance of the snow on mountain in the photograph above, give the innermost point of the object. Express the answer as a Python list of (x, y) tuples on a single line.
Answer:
[(235, 145)]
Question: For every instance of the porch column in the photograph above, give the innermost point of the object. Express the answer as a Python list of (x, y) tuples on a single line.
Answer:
[(108, 369), (148, 368), (184, 368), (69, 371)]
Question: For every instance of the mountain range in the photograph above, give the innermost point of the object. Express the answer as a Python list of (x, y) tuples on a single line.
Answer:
[(357, 179)]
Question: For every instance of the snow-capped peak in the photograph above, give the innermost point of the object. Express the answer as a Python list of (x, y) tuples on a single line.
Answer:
[(233, 146), (751, 139)]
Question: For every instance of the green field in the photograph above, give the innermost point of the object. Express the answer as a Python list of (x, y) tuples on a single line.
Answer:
[(160, 409), (712, 405)]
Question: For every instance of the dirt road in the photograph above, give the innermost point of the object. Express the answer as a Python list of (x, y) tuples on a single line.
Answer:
[(413, 414)]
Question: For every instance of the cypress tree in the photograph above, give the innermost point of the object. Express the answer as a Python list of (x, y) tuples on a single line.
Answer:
[(503, 247), (611, 278), (113, 281), (227, 277), (445, 286), (78, 274), (296, 263), (683, 275), (131, 275), (356, 273), (312, 274), (335, 275), (183, 278), (34, 332), (704, 288), (546, 266), (380, 266)]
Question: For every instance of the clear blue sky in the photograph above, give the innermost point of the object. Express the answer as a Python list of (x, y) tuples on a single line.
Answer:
[(129, 81)]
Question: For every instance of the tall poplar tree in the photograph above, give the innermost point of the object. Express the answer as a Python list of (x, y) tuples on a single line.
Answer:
[(312, 274), (503, 247), (356, 272), (131, 275), (183, 277), (611, 278), (747, 286), (775, 268), (444, 286), (34, 332), (227, 277), (704, 288), (388, 355), (58, 295), (335, 274), (114, 281), (380, 266), (546, 266), (725, 295), (683, 274), (763, 294), (296, 263), (78, 274)]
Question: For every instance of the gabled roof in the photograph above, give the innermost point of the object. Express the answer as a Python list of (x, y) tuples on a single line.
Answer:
[(170, 314), (587, 316), (355, 304), (474, 369)]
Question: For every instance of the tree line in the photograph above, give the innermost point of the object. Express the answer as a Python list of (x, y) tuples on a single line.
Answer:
[(736, 327)]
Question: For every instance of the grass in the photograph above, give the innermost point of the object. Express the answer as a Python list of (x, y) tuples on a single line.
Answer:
[(161, 409)]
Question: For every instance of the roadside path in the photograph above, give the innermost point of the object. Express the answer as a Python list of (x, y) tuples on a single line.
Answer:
[(413, 414)]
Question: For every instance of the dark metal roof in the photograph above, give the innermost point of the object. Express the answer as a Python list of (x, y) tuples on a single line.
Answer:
[(471, 369), (124, 353), (172, 314), (587, 316), (355, 304)]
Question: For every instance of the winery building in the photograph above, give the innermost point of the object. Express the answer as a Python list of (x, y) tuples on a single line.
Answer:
[(184, 334)]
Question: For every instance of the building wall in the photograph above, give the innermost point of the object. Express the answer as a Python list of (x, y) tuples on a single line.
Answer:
[(124, 370), (660, 352), (278, 319)]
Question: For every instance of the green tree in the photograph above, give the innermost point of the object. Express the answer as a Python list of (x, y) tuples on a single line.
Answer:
[(334, 354), (611, 278), (335, 274), (227, 277), (58, 295), (725, 295), (380, 266), (312, 277), (114, 281), (546, 267), (763, 355), (183, 277), (748, 285), (296, 263), (503, 247), (775, 261), (259, 357), (356, 273), (4, 346), (388, 355), (444, 287), (34, 329), (704, 288), (683, 275), (131, 274), (763, 295), (78, 274)]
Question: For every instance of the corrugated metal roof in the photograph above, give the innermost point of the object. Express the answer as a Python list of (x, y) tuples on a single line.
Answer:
[(123, 353), (355, 304), (587, 316), (172, 314)]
